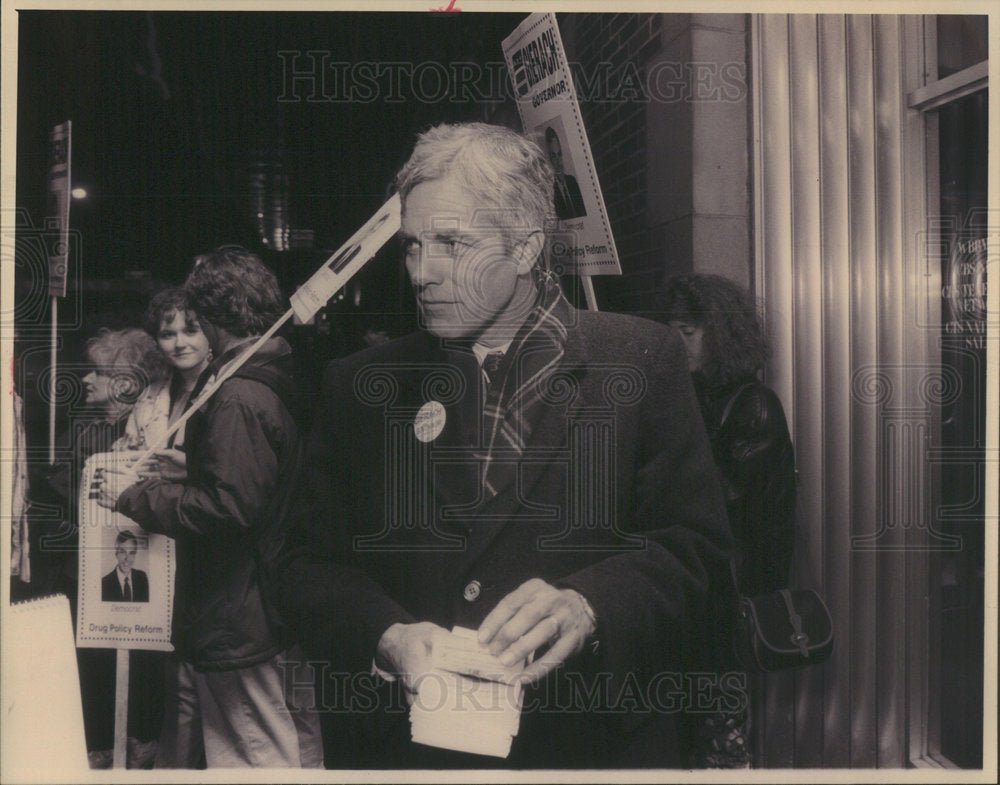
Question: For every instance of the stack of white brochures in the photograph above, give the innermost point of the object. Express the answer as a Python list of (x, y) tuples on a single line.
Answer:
[(470, 702)]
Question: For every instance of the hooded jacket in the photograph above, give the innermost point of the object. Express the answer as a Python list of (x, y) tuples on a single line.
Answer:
[(242, 450)]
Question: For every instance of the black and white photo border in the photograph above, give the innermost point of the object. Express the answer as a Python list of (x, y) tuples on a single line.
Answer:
[(33, 315)]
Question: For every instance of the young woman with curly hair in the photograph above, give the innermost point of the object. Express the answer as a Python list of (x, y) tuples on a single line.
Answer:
[(185, 351)]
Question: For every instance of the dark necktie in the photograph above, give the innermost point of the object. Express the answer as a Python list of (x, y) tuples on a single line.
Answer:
[(491, 364), (128, 590)]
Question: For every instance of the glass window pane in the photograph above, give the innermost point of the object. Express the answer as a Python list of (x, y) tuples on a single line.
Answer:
[(961, 42), (963, 156)]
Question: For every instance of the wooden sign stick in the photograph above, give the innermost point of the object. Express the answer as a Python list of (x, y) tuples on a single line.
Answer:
[(119, 759)]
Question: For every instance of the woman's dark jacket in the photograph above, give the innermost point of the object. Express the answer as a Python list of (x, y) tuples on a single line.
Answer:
[(242, 451), (753, 452)]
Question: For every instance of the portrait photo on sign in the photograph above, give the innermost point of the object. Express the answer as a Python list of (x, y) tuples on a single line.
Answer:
[(566, 194), (125, 581)]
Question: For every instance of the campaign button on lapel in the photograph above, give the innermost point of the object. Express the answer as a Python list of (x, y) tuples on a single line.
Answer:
[(429, 422)]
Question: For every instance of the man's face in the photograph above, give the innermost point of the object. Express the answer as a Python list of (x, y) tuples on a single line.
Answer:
[(125, 554), (464, 276), (555, 154)]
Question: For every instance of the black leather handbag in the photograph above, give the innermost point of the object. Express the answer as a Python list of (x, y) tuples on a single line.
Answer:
[(784, 629)]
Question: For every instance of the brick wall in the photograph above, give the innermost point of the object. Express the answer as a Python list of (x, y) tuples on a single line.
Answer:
[(672, 164), (609, 52)]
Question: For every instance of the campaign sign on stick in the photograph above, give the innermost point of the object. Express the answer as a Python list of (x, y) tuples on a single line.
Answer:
[(126, 587), (59, 185), (306, 301), (350, 258), (546, 100)]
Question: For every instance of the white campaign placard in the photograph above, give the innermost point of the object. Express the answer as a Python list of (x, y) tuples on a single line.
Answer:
[(106, 618), (332, 276), (350, 258), (546, 100), (43, 738)]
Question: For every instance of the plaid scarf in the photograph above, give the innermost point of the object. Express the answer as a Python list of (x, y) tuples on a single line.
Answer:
[(514, 400)]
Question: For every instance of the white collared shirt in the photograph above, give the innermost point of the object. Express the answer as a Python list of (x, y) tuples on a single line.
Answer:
[(481, 351)]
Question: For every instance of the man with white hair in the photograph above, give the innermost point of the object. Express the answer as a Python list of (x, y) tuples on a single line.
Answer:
[(518, 468)]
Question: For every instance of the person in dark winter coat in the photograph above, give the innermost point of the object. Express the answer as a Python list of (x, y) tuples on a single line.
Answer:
[(241, 453), (504, 471), (718, 322)]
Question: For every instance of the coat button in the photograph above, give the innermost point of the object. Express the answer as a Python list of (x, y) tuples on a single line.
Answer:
[(472, 591)]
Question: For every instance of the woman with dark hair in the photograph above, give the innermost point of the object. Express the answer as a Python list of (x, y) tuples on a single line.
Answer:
[(184, 350), (718, 323)]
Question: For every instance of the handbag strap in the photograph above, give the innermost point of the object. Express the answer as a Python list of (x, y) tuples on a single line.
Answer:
[(799, 638)]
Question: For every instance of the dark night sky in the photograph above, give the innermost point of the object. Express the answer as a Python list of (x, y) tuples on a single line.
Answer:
[(165, 159)]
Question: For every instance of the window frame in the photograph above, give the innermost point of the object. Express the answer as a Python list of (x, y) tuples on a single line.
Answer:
[(925, 696)]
